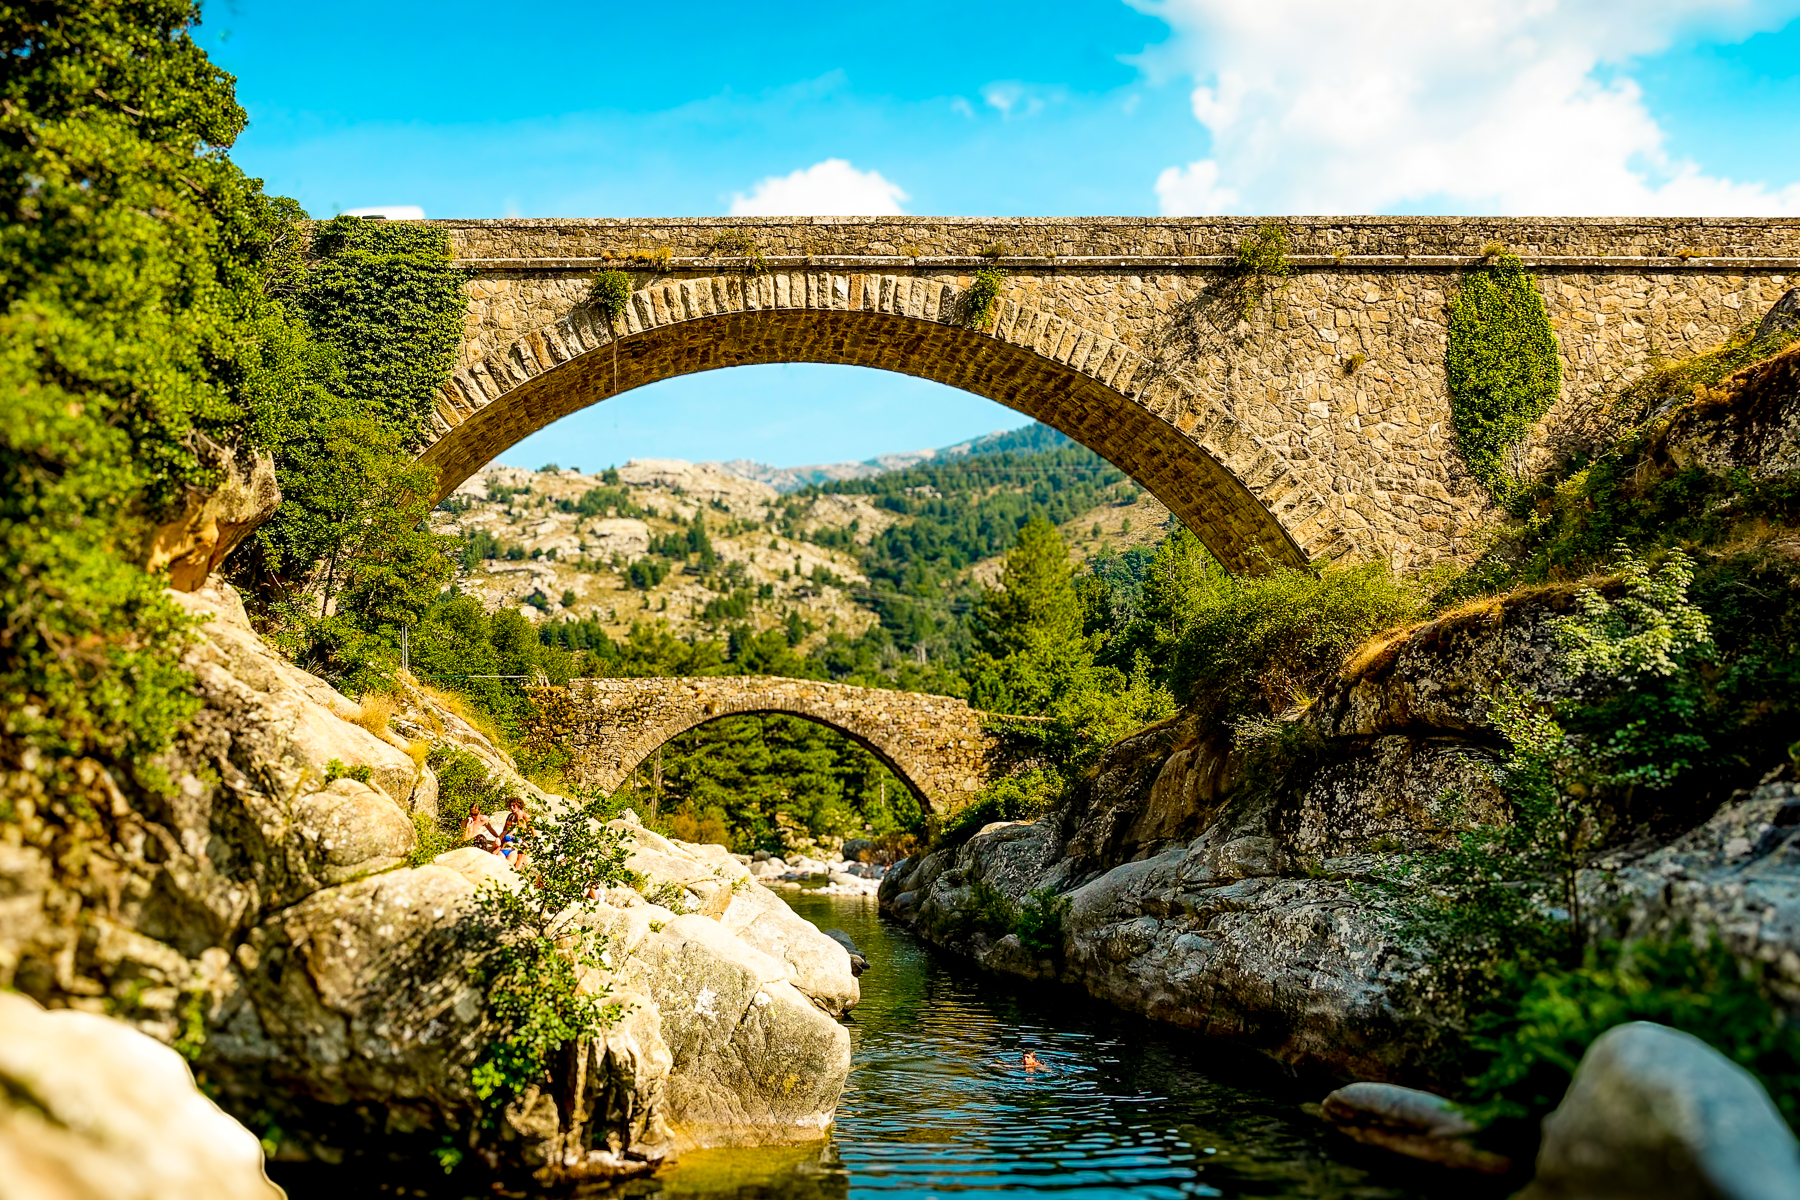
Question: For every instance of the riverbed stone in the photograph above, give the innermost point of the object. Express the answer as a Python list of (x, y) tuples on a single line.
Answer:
[(1415, 1123), (93, 1110), (1653, 1111)]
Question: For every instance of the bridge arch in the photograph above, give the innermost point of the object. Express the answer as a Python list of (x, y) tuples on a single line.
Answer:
[(933, 744), (1243, 501)]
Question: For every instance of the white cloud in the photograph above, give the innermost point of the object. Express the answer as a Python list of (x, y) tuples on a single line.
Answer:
[(832, 188), (393, 212), (1014, 99), (1504, 106)]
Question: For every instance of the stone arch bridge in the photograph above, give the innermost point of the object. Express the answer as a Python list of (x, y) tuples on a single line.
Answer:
[(1318, 427), (935, 744)]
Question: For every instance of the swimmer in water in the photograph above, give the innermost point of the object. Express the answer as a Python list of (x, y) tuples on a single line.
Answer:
[(1031, 1063)]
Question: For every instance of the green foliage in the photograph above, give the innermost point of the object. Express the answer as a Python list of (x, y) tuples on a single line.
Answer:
[(1022, 796), (433, 839), (1268, 643), (1040, 923), (1647, 630), (765, 782), (348, 560), (361, 772), (1260, 267), (532, 978), (384, 296), (982, 300), (138, 342), (1529, 1042), (1037, 662), (610, 293), (1502, 366), (1036, 595), (988, 911), (1504, 897), (738, 244)]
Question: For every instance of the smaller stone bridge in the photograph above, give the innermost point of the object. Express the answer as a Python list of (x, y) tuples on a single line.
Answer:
[(935, 744)]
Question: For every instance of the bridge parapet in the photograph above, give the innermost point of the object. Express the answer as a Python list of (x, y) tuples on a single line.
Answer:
[(935, 744)]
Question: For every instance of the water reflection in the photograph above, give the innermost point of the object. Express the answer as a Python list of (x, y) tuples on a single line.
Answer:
[(939, 1105)]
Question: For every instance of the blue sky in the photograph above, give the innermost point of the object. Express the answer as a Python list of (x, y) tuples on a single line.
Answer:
[(1056, 107)]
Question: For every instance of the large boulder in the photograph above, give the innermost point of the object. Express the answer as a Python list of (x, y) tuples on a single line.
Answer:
[(755, 1061), (1656, 1112), (93, 1110)]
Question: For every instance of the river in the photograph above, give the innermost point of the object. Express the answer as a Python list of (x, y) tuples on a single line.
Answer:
[(938, 1105)]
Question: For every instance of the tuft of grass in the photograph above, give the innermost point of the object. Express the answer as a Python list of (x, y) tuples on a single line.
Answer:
[(375, 713)]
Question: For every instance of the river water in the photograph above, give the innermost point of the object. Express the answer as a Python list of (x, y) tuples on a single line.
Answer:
[(938, 1106)]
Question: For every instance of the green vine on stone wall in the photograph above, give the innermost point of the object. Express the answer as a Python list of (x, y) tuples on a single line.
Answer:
[(1502, 366), (1261, 268), (982, 299)]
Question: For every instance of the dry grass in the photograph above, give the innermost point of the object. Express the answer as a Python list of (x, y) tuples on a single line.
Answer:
[(376, 714), (456, 706)]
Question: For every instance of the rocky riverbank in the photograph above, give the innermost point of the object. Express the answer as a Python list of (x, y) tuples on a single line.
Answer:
[(1232, 898), (269, 915)]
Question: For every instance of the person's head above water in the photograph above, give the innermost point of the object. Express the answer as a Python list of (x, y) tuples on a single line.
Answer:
[(1030, 1062)]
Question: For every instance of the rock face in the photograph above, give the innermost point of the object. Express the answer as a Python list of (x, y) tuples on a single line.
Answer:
[(1656, 1112), (269, 898), (92, 1110), (193, 542), (1228, 903)]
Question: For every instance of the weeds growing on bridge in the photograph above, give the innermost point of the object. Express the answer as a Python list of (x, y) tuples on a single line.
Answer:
[(738, 244), (981, 301)]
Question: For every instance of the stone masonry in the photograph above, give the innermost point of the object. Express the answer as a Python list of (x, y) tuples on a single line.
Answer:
[(935, 744), (1320, 427)]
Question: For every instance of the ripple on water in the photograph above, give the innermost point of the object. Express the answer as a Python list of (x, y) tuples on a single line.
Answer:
[(938, 1104)]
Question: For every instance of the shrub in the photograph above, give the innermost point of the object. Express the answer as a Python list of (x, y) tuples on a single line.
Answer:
[(1040, 923), (1024, 796), (609, 294), (982, 300), (1529, 1042), (532, 976), (1266, 643)]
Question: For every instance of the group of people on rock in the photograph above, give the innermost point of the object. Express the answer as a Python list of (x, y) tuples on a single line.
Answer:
[(499, 832)]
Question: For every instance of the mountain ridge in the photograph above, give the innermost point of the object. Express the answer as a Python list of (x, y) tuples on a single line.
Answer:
[(786, 480)]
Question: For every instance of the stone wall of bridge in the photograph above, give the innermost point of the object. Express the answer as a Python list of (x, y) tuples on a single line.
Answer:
[(935, 744), (1320, 427)]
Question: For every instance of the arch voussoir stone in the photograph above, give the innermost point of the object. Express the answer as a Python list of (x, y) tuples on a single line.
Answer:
[(935, 744)]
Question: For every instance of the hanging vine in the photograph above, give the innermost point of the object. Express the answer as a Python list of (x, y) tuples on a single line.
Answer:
[(1502, 367)]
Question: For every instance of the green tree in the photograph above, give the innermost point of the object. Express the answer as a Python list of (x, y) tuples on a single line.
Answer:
[(1036, 599), (138, 342)]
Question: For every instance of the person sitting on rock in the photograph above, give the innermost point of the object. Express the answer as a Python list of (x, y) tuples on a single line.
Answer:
[(517, 819), (477, 831)]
